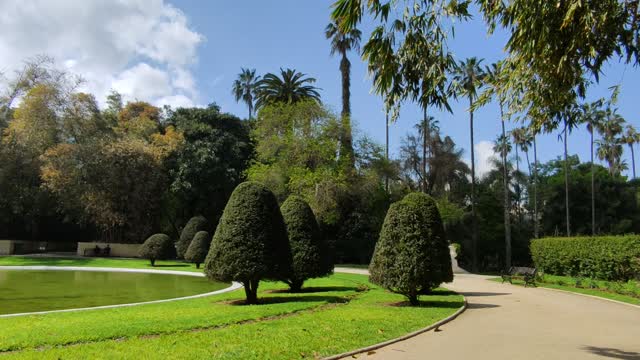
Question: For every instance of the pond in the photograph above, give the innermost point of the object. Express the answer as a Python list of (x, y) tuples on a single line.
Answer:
[(42, 290)]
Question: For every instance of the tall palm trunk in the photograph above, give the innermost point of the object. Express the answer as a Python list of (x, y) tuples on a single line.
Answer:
[(505, 188), (593, 190), (425, 131), (346, 138), (386, 149), (517, 185), (474, 222), (250, 110), (566, 178), (536, 231), (633, 161)]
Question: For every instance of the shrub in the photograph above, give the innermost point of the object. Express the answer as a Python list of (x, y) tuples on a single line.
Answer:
[(157, 247), (250, 243), (195, 224), (602, 257), (412, 255), (198, 249), (309, 252)]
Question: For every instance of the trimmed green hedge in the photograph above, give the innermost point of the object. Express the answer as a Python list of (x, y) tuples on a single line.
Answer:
[(602, 257)]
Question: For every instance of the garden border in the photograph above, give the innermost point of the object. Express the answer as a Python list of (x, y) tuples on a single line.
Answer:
[(232, 287)]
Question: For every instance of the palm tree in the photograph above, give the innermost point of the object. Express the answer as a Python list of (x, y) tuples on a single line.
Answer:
[(593, 116), (493, 81), (290, 88), (632, 137), (521, 140), (610, 146), (536, 223), (244, 88), (469, 77), (570, 119), (342, 43), (427, 128)]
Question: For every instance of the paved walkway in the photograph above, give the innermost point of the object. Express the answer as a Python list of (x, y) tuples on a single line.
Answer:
[(512, 322)]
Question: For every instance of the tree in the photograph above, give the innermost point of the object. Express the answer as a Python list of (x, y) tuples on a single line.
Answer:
[(632, 137), (245, 86), (290, 88), (411, 256), (157, 247), (468, 77), (82, 120), (522, 141), (198, 248), (610, 145), (341, 43), (193, 226), (308, 250), (250, 243)]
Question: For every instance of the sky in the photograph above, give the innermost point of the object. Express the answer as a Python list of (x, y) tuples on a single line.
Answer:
[(189, 52)]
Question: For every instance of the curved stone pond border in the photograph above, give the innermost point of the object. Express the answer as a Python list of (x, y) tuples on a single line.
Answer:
[(234, 286)]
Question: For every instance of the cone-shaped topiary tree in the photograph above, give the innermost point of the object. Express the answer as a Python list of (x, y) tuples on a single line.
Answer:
[(250, 243), (198, 249), (308, 249), (195, 224), (411, 256), (157, 247)]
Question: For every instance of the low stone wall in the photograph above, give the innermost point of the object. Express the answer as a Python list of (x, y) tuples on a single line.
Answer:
[(117, 250), (10, 247)]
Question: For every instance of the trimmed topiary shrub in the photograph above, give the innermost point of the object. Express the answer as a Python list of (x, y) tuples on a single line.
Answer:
[(309, 251), (601, 257), (195, 224), (198, 249), (157, 247), (250, 243), (412, 254)]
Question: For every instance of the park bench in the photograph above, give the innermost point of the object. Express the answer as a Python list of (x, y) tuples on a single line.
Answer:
[(526, 273), (97, 251)]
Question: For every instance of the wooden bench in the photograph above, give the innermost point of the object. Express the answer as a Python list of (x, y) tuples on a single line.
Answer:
[(98, 251), (526, 273)]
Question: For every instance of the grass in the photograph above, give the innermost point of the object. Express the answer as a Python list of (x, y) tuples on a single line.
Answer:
[(97, 262), (567, 283), (354, 266), (336, 314)]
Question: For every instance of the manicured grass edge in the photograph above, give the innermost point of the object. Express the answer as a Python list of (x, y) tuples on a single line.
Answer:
[(567, 289), (403, 337)]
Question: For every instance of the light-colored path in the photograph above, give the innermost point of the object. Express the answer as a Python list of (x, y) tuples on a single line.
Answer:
[(512, 322)]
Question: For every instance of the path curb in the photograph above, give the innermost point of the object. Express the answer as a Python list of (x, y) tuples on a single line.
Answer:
[(402, 338)]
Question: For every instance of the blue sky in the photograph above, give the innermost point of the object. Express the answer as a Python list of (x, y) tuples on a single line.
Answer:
[(188, 52), (267, 35)]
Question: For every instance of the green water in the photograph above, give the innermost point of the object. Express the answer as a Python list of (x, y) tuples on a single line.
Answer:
[(35, 290)]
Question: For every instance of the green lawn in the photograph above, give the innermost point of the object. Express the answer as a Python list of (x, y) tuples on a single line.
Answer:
[(336, 314), (567, 283), (97, 262)]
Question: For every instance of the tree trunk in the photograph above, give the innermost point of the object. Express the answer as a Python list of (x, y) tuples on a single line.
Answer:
[(386, 149), (517, 185), (633, 161), (197, 265), (474, 222), (251, 291), (153, 262), (346, 140), (566, 178), (295, 286), (536, 231), (413, 299), (250, 110), (425, 130), (507, 207), (593, 190)]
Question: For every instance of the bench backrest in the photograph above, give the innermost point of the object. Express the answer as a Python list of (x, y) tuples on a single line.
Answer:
[(520, 270)]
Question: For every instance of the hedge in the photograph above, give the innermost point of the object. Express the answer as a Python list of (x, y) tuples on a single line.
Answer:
[(602, 257), (157, 247), (198, 249), (195, 224)]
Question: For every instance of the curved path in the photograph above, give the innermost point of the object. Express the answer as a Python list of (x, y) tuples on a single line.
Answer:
[(504, 321)]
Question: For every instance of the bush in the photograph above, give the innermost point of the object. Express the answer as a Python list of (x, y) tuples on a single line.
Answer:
[(250, 243), (412, 254), (602, 257), (157, 247), (309, 252), (195, 224), (198, 249)]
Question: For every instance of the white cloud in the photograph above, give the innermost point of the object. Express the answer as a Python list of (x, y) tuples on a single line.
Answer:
[(483, 154), (143, 48)]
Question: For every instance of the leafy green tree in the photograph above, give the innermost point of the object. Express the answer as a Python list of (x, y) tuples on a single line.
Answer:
[(309, 251), (341, 43), (193, 226), (245, 86), (198, 248), (250, 243), (291, 87), (157, 247), (412, 254), (468, 78)]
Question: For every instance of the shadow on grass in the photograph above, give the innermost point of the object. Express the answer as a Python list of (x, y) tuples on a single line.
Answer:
[(471, 293), (317, 289), (170, 265), (430, 304), (612, 353), (481, 306), (289, 299)]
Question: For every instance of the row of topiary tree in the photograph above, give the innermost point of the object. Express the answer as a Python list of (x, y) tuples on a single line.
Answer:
[(257, 240)]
